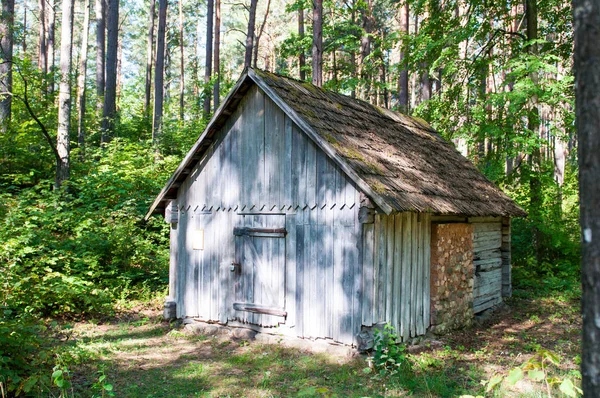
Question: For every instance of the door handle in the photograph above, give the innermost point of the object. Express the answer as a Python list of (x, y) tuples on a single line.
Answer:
[(235, 266)]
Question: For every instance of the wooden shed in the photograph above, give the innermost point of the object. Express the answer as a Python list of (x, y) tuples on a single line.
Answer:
[(309, 213)]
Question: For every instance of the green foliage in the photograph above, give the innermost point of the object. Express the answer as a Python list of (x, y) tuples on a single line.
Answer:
[(543, 367), (388, 354), (76, 251)]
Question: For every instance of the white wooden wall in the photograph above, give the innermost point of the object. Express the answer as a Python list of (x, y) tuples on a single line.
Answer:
[(262, 163), (396, 264)]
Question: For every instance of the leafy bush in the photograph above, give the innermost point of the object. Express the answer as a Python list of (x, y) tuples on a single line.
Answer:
[(74, 251), (388, 354)]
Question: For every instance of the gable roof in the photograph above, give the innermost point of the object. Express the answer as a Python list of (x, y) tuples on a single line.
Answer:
[(398, 161)]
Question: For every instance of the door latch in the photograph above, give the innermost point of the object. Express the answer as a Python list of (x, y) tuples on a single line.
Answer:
[(235, 266)]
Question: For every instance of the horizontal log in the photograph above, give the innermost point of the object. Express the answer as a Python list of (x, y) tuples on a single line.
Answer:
[(486, 227), (485, 254), (259, 309), (260, 232)]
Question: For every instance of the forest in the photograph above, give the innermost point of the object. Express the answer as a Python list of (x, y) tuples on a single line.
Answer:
[(100, 100)]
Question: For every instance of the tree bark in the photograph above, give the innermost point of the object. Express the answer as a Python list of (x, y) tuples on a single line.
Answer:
[(24, 41), (159, 71), (535, 185), (260, 32), (208, 58), (181, 64), (6, 56), (301, 57), (403, 77), (42, 47), (317, 48), (100, 52), (250, 34), (51, 26), (217, 60), (587, 96), (63, 143), (365, 48), (112, 49), (82, 76), (149, 59)]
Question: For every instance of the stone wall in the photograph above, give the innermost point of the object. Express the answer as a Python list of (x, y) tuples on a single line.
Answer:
[(452, 276)]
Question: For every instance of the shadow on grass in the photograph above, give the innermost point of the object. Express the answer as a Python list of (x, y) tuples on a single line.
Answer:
[(178, 366)]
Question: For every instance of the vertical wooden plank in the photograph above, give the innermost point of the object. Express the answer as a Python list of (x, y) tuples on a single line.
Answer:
[(300, 280), (376, 269), (329, 243), (234, 185), (368, 241), (321, 182), (413, 275), (389, 259), (259, 190), (320, 278), (274, 153), (297, 153), (420, 275), (311, 174), (302, 150), (287, 180), (348, 284), (173, 255), (248, 149), (357, 247), (397, 272), (406, 275), (338, 293), (382, 266), (181, 268), (290, 269), (427, 265)]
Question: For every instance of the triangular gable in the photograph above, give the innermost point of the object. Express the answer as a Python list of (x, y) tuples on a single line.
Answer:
[(248, 78)]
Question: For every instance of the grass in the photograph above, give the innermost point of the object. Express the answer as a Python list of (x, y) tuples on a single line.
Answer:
[(144, 357)]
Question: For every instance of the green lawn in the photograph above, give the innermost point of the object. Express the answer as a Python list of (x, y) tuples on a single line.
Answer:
[(144, 357)]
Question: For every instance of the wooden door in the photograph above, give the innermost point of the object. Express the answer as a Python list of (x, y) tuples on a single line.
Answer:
[(259, 270)]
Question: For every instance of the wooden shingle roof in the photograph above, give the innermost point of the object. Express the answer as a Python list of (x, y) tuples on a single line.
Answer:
[(398, 161)]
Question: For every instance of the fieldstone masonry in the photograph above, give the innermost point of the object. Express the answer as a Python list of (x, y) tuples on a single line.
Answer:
[(452, 276)]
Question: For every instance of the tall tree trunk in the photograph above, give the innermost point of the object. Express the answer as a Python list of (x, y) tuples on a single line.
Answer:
[(260, 32), (317, 47), (587, 76), (159, 71), (302, 57), (112, 50), (535, 185), (51, 26), (63, 143), (217, 60), (42, 47), (100, 8), (365, 48), (181, 64), (24, 42), (403, 77), (6, 56), (250, 34), (208, 58), (149, 59), (82, 76)]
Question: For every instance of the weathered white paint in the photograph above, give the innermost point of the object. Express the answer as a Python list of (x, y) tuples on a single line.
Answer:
[(263, 172)]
